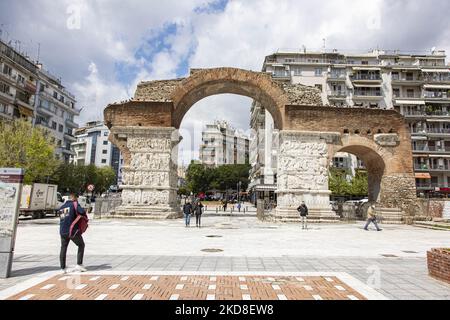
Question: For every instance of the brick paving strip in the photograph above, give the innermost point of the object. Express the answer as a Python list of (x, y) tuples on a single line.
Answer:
[(131, 285)]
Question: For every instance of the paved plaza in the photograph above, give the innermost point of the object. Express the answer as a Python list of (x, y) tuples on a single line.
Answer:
[(369, 265)]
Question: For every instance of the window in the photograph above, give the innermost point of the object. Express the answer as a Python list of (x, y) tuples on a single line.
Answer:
[(318, 86), (54, 124), (55, 94), (103, 161), (318, 72), (396, 93), (60, 128), (105, 143), (410, 93), (7, 69), (296, 70), (105, 134), (365, 63), (4, 88), (3, 108), (105, 151)]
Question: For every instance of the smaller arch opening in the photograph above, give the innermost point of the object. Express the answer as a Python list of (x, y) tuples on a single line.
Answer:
[(357, 131), (369, 132), (346, 131), (380, 131)]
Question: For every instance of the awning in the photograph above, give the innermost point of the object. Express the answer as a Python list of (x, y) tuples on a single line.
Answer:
[(439, 156), (438, 120), (437, 86), (436, 70), (367, 68), (411, 102), (422, 176), (367, 85), (25, 111)]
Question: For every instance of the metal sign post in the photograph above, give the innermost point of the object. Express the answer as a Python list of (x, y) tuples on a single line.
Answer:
[(11, 180)]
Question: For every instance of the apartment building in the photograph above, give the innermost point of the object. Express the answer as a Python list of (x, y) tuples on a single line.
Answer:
[(18, 80), (29, 92), (222, 145), (93, 147), (263, 155), (56, 112), (416, 85)]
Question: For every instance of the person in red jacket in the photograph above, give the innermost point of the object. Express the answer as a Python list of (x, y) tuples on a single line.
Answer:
[(70, 230)]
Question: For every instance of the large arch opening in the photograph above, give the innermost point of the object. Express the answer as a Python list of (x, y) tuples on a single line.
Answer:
[(361, 169), (205, 83)]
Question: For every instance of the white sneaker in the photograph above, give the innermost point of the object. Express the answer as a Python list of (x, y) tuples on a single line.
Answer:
[(80, 268), (64, 271)]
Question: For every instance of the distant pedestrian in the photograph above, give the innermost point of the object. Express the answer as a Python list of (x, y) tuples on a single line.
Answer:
[(239, 207), (187, 210), (225, 204), (371, 218), (198, 210), (303, 210), (73, 222)]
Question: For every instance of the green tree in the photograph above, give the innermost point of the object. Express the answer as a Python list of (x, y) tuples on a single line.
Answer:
[(76, 178), (22, 146), (340, 186)]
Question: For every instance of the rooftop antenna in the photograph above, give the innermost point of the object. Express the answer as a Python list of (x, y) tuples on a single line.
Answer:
[(304, 48), (39, 52), (324, 44)]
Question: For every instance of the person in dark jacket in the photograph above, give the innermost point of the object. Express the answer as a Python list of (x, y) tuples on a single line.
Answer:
[(198, 210), (68, 213), (303, 211), (187, 210)]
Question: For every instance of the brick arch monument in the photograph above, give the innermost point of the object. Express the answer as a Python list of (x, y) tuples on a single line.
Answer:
[(145, 130)]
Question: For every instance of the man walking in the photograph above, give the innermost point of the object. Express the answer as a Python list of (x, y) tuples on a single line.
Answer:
[(198, 214), (69, 229), (303, 210), (371, 218), (187, 210)]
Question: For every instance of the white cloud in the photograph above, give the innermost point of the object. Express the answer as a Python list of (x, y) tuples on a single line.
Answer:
[(111, 31)]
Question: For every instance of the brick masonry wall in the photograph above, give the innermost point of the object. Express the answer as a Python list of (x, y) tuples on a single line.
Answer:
[(139, 114), (439, 264)]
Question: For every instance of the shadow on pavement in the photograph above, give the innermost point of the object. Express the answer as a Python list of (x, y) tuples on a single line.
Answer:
[(37, 270)]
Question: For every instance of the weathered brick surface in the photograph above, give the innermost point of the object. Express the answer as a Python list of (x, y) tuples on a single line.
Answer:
[(439, 264), (139, 114)]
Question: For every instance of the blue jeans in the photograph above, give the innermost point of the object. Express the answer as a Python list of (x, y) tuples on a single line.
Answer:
[(187, 219), (374, 221)]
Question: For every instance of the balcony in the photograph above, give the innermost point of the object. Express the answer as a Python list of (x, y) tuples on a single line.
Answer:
[(337, 77), (65, 105), (45, 112), (71, 123), (66, 151), (435, 95), (69, 137), (427, 149), (367, 95), (281, 76), (341, 95), (407, 81), (438, 79), (366, 78)]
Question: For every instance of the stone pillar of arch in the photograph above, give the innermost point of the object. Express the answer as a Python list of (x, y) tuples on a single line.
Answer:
[(149, 187), (302, 175)]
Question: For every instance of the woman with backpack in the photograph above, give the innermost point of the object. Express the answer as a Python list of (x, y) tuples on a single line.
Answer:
[(73, 223)]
